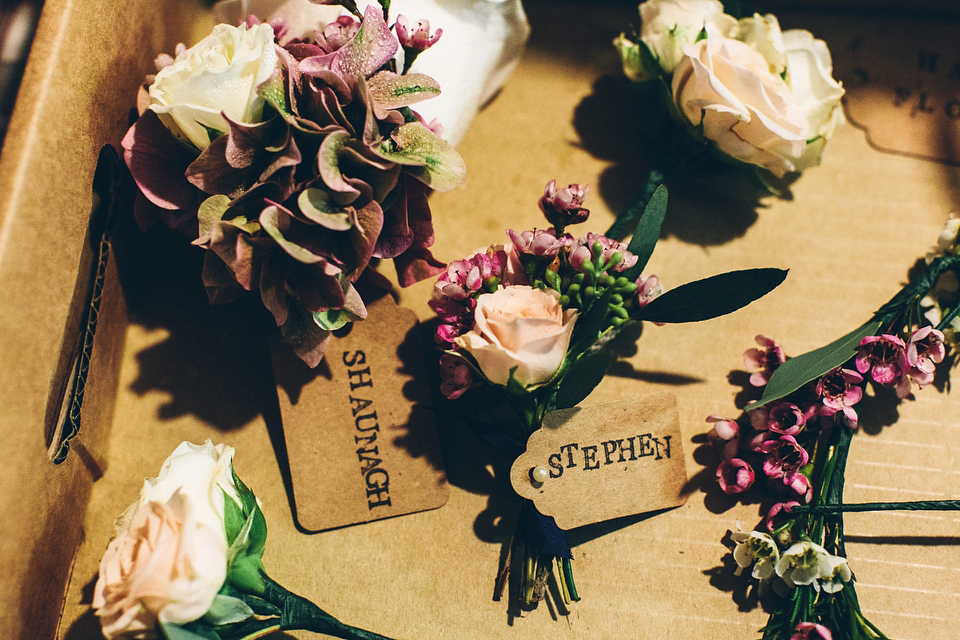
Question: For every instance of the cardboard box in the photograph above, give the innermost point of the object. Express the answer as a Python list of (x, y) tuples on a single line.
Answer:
[(75, 97), (187, 371)]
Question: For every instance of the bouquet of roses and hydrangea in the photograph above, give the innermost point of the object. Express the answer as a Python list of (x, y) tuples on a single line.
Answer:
[(533, 320), (186, 561), (738, 87), (296, 163), (791, 447)]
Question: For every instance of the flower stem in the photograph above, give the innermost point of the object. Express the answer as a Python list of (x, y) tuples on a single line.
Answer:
[(568, 579), (919, 505), (300, 613)]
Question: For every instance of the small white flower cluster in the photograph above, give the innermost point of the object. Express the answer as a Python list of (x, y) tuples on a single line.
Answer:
[(803, 563)]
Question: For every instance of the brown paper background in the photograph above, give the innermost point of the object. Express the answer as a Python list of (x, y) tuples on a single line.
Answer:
[(853, 227)]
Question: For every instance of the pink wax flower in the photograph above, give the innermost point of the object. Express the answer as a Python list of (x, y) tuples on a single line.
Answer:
[(418, 37), (784, 457), (925, 350), (648, 288), (764, 361), (734, 475), (839, 391), (539, 242), (800, 485), (563, 207), (463, 278), (885, 358), (456, 376), (775, 510), (785, 418), (811, 631), (582, 252), (337, 33), (724, 436), (757, 440)]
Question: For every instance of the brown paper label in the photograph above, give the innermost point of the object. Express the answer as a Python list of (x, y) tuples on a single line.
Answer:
[(361, 444), (903, 88), (604, 461)]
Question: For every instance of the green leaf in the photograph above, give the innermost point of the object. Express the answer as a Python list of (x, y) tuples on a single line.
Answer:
[(427, 157), (247, 574), (233, 518), (647, 233), (227, 610), (582, 377), (712, 297), (195, 632), (514, 387), (796, 372)]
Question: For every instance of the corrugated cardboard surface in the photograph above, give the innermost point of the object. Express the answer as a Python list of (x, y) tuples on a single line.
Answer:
[(852, 229), (73, 99)]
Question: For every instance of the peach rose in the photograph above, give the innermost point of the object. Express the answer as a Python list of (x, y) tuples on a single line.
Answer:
[(767, 98), (727, 87), (169, 557), (167, 566), (522, 329)]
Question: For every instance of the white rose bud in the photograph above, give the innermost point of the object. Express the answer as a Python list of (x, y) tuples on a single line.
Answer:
[(669, 24), (218, 75)]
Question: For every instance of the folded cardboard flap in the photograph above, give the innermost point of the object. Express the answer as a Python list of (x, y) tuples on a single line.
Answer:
[(80, 82)]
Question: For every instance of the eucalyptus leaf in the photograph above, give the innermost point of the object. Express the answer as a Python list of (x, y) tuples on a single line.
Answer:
[(583, 376), (796, 372), (712, 297), (647, 233)]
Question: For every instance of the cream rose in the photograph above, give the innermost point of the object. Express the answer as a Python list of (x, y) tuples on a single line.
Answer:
[(169, 557), (736, 91), (218, 75), (521, 328), (167, 566), (203, 473)]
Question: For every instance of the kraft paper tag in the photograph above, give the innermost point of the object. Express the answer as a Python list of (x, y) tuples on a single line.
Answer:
[(604, 461), (903, 88), (362, 445)]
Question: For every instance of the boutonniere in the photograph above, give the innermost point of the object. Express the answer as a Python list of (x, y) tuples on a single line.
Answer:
[(531, 321), (737, 89), (186, 562), (790, 447)]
